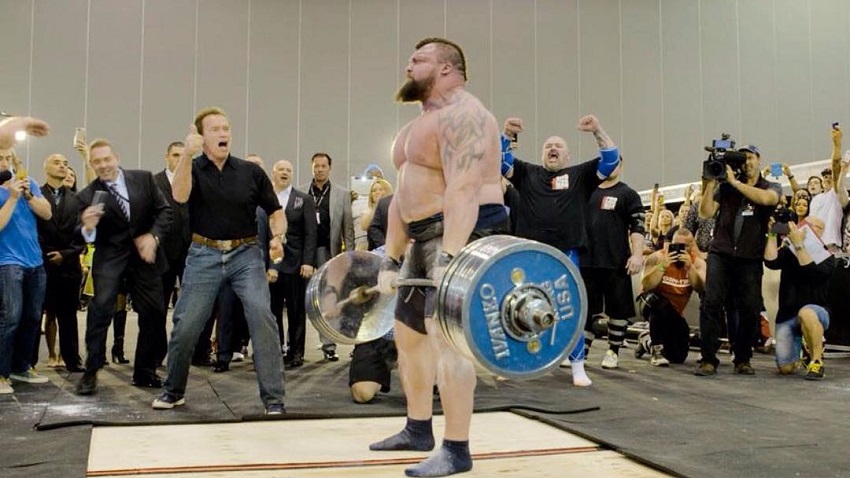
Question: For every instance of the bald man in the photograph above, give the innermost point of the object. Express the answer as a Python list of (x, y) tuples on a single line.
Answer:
[(61, 255), (553, 198), (288, 279)]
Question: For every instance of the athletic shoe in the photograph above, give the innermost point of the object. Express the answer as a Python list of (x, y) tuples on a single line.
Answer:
[(167, 401), (6, 386), (815, 370), (657, 359), (744, 368), (610, 360), (705, 369), (30, 376)]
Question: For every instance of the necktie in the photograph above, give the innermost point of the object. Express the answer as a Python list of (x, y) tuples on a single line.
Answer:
[(122, 201), (57, 196)]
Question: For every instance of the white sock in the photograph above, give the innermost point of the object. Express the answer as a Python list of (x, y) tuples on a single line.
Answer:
[(580, 378)]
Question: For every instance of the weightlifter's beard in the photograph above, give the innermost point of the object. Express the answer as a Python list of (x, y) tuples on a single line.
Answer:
[(412, 91)]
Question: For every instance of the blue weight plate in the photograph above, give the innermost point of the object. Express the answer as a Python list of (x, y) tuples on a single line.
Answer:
[(482, 327)]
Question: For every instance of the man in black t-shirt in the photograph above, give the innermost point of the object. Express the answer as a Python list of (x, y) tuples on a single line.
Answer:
[(615, 230), (553, 198), (743, 207)]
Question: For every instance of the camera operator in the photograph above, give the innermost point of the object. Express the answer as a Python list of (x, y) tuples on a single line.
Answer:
[(743, 202), (669, 279), (803, 295)]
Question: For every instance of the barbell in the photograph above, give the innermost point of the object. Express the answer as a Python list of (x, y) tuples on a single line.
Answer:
[(515, 306)]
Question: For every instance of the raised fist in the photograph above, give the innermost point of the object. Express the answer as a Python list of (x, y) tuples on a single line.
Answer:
[(513, 126), (194, 142), (588, 124)]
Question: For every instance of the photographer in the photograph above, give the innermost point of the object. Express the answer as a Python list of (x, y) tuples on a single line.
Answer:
[(669, 279), (743, 202), (803, 295)]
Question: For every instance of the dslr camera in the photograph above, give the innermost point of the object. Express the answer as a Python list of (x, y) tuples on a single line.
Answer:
[(782, 216), (720, 154)]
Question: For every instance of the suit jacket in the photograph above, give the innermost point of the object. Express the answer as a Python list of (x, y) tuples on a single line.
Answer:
[(176, 242), (301, 232), (58, 233), (377, 232), (149, 212), (342, 221)]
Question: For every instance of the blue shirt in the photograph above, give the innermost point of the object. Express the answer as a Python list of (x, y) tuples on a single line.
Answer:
[(19, 239)]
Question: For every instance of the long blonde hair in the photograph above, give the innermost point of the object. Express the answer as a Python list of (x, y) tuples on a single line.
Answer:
[(387, 187)]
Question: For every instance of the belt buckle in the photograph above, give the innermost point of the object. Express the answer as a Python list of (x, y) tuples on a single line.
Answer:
[(225, 246)]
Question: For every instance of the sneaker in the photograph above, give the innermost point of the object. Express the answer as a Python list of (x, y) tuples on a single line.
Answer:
[(167, 401), (610, 360), (705, 369), (658, 359), (814, 370), (275, 409), (331, 356), (30, 376), (238, 357), (744, 368), (6, 386)]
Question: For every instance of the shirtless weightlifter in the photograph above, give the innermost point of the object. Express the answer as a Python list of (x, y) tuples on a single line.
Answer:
[(448, 161)]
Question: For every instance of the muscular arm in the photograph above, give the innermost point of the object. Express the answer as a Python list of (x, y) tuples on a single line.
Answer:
[(397, 237), (40, 207), (696, 274), (707, 205), (762, 197), (181, 188), (653, 271), (464, 134), (602, 139), (840, 188), (277, 223), (7, 210), (838, 169)]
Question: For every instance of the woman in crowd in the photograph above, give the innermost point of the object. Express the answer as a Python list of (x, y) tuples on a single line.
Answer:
[(379, 188)]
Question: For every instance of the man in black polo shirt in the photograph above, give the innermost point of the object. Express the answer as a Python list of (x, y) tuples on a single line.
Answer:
[(223, 193), (743, 207)]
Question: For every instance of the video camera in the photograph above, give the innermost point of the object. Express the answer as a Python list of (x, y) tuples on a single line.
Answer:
[(722, 153)]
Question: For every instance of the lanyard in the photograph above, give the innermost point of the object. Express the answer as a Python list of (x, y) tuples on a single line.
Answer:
[(319, 200)]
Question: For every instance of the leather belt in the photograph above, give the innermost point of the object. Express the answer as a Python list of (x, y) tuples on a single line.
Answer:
[(223, 245)]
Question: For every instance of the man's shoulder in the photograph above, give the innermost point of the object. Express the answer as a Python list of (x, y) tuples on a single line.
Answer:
[(137, 173)]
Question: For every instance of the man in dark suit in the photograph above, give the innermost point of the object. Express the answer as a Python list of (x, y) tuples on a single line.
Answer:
[(176, 241), (288, 279), (124, 214), (335, 223), (61, 253)]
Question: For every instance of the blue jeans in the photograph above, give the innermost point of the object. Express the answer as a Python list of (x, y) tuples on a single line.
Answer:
[(206, 270), (21, 296), (789, 336)]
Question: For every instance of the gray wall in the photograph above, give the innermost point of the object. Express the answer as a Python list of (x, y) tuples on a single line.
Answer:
[(664, 76)]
